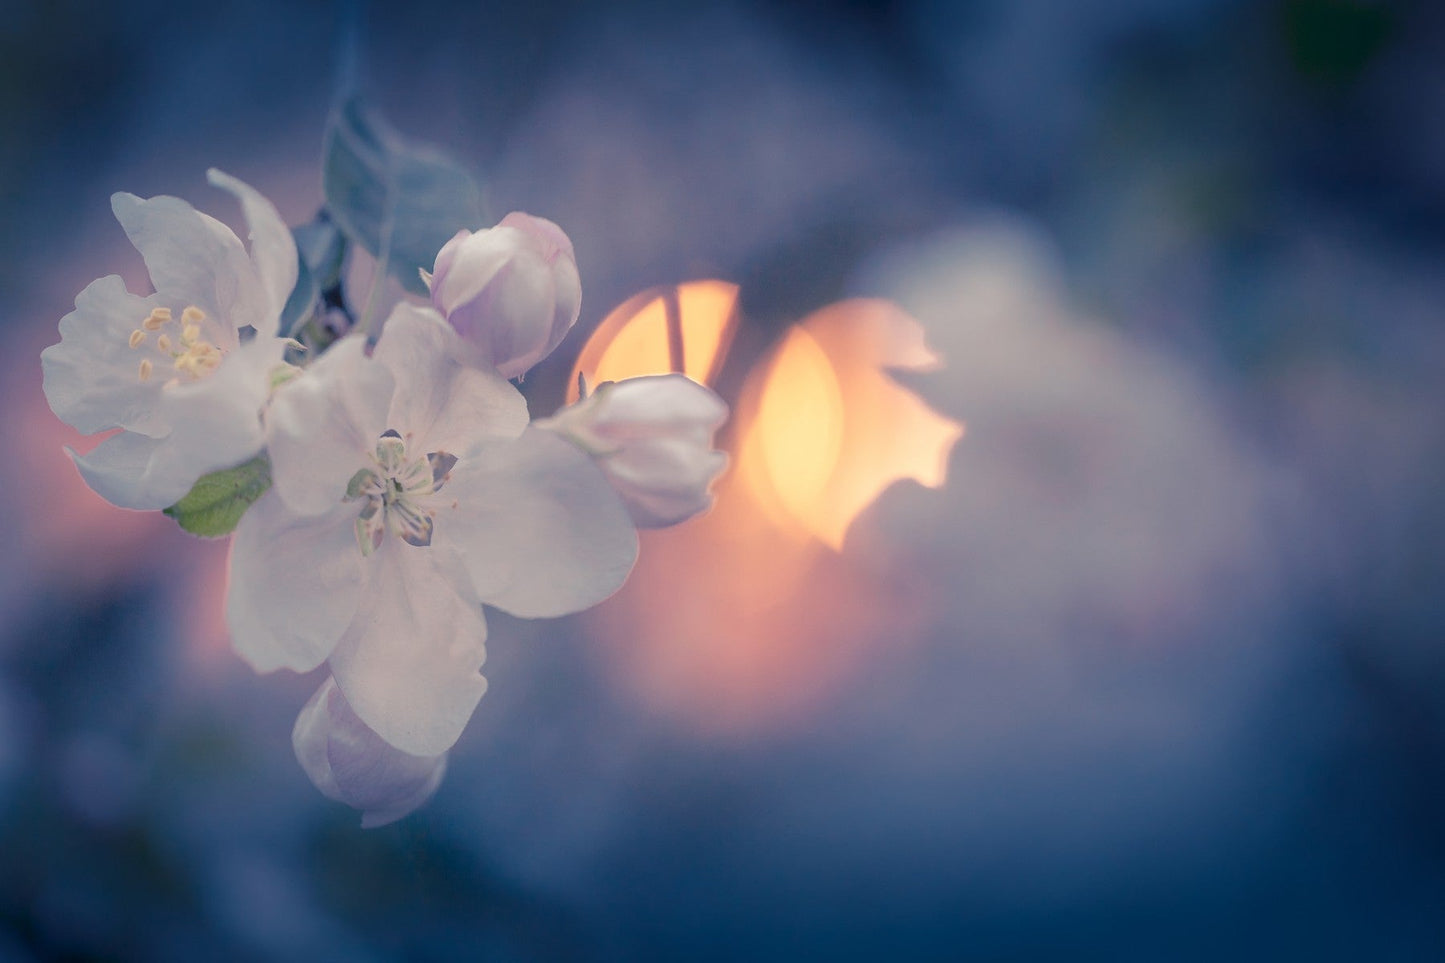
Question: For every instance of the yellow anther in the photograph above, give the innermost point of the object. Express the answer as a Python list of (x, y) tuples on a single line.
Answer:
[(192, 315), (164, 342), (190, 333), (137, 336), (158, 319), (145, 369)]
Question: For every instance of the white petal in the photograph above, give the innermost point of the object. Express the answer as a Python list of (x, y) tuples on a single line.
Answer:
[(92, 377), (444, 259), (652, 438), (513, 320), (442, 404), (216, 421), (273, 250), (666, 481), (555, 248), (537, 526), (294, 585), (659, 404), (323, 426), (193, 258), (568, 292), (131, 471), (351, 764), (471, 265), (410, 661)]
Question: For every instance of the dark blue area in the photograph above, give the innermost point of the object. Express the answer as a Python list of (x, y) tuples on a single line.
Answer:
[(1297, 812)]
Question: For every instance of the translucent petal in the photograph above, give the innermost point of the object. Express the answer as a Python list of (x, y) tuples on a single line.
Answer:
[(670, 404), (441, 404), (273, 250), (92, 377), (193, 258), (444, 257), (323, 426), (132, 471), (470, 264), (216, 421), (652, 438), (410, 661), (216, 424), (664, 482), (537, 526), (351, 764), (294, 585)]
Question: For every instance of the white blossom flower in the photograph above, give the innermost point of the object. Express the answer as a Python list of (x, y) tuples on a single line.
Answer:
[(512, 291), (171, 369), (652, 438), (408, 491), (351, 764)]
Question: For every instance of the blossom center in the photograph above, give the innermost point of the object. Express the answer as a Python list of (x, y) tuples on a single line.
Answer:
[(190, 355), (395, 493)]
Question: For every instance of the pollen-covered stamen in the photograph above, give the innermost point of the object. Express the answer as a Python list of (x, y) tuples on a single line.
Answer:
[(395, 494), (192, 356)]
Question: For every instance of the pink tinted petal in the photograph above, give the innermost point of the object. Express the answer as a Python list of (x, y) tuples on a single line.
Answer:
[(273, 250), (92, 377), (439, 403), (131, 471), (193, 258), (323, 427), (410, 661), (471, 266), (351, 764), (537, 526), (294, 584)]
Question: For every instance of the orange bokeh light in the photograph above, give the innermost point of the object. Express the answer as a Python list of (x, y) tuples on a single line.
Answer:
[(830, 430), (751, 615), (687, 328)]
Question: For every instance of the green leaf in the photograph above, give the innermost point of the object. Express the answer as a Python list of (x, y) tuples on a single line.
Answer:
[(217, 501), (399, 200)]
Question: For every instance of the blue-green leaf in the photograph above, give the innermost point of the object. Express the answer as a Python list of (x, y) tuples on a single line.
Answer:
[(301, 305), (399, 200), (321, 253), (322, 249), (216, 502)]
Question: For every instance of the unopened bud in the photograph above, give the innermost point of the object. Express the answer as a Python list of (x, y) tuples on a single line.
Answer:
[(512, 291), (351, 764), (652, 438)]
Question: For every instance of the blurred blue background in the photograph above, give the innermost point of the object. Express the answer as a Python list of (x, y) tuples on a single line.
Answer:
[(1168, 679)]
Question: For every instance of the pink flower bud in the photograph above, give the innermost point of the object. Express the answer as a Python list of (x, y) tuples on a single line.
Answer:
[(511, 291), (351, 764), (652, 438)]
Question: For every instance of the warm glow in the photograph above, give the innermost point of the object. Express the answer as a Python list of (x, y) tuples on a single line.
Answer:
[(831, 429), (686, 328), (751, 616), (796, 432)]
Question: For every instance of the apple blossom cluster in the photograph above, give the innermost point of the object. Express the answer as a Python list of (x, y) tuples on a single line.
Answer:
[(383, 482)]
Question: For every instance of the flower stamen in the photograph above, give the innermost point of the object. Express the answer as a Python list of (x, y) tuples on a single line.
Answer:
[(395, 493), (193, 357)]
